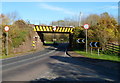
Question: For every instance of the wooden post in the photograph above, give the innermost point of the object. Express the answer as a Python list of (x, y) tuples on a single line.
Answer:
[(70, 39), (91, 50), (98, 52)]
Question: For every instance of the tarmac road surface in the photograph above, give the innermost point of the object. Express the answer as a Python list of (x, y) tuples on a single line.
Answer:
[(53, 64)]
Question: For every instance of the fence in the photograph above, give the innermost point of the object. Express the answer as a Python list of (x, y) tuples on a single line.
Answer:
[(113, 47)]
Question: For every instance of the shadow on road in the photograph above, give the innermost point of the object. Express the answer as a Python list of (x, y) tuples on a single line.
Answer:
[(60, 47), (65, 80), (72, 70)]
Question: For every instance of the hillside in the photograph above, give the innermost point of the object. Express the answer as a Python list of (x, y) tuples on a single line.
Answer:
[(20, 39), (0, 41)]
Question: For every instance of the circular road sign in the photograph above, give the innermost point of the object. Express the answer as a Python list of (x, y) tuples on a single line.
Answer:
[(54, 28), (86, 26), (6, 28)]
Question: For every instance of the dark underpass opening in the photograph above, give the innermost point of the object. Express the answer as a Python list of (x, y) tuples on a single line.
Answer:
[(55, 38), (51, 38)]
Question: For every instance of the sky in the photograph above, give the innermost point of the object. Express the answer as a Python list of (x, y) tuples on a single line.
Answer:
[(45, 12), (60, 0)]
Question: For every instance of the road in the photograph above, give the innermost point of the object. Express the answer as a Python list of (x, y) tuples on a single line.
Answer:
[(53, 64)]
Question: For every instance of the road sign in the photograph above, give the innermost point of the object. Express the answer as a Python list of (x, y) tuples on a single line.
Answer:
[(54, 28), (94, 44), (33, 41), (86, 26), (6, 28), (54, 39), (33, 45), (80, 40)]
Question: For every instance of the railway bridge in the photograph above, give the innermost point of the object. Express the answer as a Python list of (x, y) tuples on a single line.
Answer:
[(40, 29)]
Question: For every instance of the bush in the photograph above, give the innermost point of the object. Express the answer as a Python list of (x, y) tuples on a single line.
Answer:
[(19, 38)]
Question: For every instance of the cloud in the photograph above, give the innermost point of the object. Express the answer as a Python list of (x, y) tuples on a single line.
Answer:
[(55, 8), (113, 7), (46, 6)]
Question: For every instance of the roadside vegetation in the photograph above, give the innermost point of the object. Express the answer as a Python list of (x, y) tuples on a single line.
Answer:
[(103, 28), (20, 31), (94, 55)]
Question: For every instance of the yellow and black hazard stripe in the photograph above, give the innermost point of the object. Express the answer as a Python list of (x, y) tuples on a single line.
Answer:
[(42, 28), (50, 29), (71, 30), (60, 30), (47, 28), (66, 29), (57, 29), (63, 29), (33, 43)]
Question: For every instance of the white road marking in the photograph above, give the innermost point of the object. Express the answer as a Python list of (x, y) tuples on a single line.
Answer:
[(28, 58), (24, 64)]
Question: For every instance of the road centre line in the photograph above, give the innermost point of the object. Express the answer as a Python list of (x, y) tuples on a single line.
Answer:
[(22, 64), (28, 59)]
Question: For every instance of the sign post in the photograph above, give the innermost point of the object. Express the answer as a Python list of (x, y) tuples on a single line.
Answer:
[(54, 28), (86, 26), (98, 52), (91, 50), (6, 30), (33, 44), (95, 44)]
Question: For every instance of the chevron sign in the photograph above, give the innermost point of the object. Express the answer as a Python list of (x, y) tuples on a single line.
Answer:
[(94, 44), (80, 40)]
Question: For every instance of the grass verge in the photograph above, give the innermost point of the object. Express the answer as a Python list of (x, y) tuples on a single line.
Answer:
[(9, 56), (17, 54), (94, 55), (48, 42)]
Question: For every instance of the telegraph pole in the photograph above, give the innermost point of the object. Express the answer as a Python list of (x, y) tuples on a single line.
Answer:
[(80, 19), (39, 22)]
